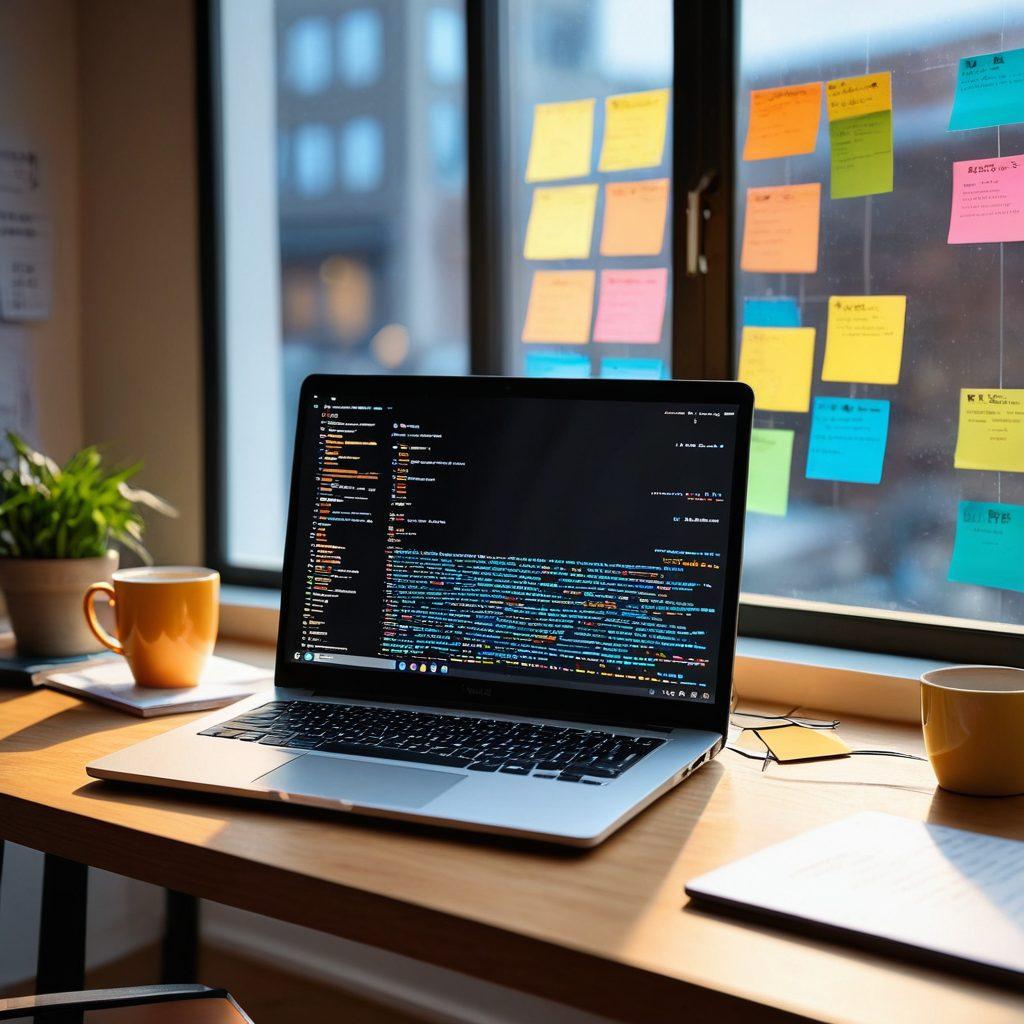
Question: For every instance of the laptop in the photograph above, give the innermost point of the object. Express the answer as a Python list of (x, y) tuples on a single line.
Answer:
[(507, 605)]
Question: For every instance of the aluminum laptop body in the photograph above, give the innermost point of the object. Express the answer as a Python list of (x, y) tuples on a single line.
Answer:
[(548, 567)]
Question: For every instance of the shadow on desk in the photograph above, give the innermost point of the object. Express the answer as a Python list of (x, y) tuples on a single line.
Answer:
[(70, 724)]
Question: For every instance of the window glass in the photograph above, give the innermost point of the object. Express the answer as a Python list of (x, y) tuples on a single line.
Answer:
[(360, 47), (314, 159), (362, 154), (307, 55), (445, 45), (866, 323)]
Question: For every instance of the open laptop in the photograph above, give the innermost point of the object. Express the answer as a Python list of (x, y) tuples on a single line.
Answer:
[(507, 605)]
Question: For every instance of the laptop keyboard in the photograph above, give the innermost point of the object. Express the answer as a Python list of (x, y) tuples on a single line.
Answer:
[(585, 756)]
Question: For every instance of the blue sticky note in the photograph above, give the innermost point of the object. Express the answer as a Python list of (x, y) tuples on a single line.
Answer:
[(848, 440), (771, 312), (634, 369), (557, 364), (989, 91), (989, 545)]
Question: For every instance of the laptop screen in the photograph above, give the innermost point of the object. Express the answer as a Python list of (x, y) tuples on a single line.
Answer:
[(571, 542)]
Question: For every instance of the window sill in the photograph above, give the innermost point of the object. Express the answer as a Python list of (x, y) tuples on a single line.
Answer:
[(802, 675)]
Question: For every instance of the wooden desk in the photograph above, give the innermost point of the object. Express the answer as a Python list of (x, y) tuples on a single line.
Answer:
[(605, 930)]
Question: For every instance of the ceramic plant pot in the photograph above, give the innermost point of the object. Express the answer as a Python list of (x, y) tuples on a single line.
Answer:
[(44, 602)]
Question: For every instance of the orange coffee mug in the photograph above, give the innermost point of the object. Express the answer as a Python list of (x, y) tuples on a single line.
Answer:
[(166, 621)]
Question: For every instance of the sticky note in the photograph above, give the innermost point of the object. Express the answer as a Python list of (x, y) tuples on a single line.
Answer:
[(560, 307), (780, 231), (557, 364), (561, 223), (562, 140), (988, 201), (771, 458), (989, 91), (861, 150), (634, 217), (783, 121), (777, 363), (848, 440), (854, 97), (795, 743), (864, 343), (989, 546), (634, 369), (634, 130), (780, 311), (991, 432), (631, 306)]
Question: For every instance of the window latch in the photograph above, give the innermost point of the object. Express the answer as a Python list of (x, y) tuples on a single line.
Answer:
[(696, 215)]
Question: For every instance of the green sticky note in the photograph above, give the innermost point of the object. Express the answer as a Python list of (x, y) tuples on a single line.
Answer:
[(989, 546), (861, 155), (771, 456)]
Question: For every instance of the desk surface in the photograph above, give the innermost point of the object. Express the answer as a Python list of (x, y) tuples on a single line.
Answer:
[(607, 930)]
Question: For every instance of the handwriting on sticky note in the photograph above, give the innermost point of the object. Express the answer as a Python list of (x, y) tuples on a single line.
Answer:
[(634, 130), (557, 364), (989, 91), (864, 343), (634, 369), (854, 97), (771, 459), (560, 306), (634, 217), (774, 311), (780, 231), (777, 363), (988, 201), (991, 431), (847, 441), (783, 121), (563, 135), (796, 743), (631, 307), (989, 546), (561, 223), (861, 149)]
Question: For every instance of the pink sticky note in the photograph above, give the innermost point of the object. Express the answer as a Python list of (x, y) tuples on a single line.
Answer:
[(988, 200), (632, 305)]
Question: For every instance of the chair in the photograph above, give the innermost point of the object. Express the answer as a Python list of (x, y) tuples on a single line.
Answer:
[(144, 1004)]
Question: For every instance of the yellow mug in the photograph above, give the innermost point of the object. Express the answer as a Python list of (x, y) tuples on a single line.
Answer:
[(166, 620), (973, 719)]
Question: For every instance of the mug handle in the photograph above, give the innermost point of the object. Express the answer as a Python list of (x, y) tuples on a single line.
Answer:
[(90, 616)]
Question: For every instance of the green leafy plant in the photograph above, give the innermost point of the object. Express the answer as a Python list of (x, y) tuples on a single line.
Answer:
[(69, 511)]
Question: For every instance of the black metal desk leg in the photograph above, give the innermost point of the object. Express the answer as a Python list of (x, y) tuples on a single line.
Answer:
[(61, 966), (179, 961)]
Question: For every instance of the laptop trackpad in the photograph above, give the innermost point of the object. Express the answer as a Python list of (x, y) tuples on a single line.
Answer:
[(358, 782)]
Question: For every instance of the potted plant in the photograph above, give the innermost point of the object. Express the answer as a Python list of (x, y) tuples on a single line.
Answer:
[(57, 524)]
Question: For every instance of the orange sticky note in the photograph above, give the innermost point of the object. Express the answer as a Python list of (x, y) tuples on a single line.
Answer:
[(783, 121), (632, 305), (777, 362), (634, 217), (560, 306), (780, 233), (864, 94)]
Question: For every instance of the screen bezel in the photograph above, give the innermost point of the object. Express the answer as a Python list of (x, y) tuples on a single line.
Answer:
[(501, 695)]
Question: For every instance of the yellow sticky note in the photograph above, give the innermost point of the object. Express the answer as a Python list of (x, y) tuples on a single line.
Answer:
[(561, 223), (634, 217), (562, 140), (560, 307), (634, 130), (864, 343), (991, 434), (783, 121), (795, 743), (864, 94), (777, 362), (780, 229)]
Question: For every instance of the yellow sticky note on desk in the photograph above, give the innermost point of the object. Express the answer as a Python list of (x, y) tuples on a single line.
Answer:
[(634, 217), (634, 130), (562, 140), (864, 343), (777, 362), (783, 121), (991, 433), (561, 223), (863, 94), (795, 743), (559, 311)]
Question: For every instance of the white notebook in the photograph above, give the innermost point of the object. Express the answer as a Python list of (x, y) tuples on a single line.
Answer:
[(110, 682), (938, 894)]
